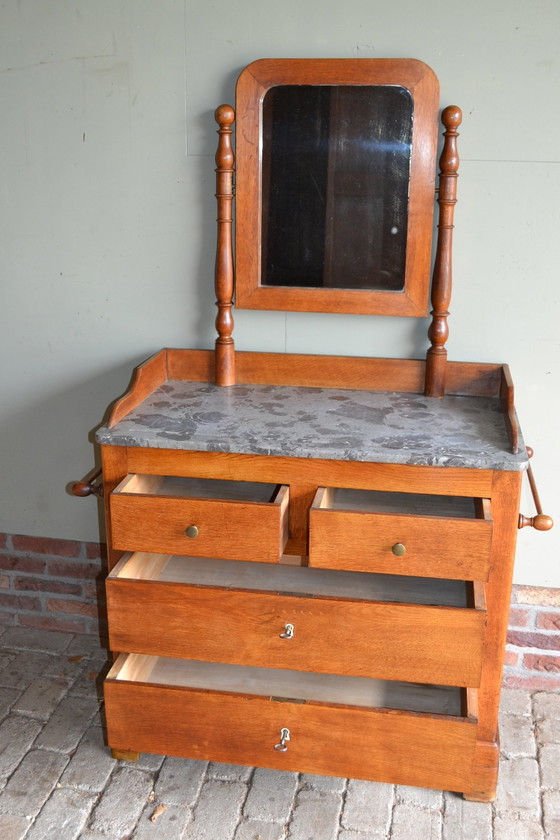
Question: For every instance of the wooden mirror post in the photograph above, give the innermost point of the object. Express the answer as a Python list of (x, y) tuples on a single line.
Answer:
[(225, 350), (442, 280)]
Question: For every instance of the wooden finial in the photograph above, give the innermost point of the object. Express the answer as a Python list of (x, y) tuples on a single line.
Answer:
[(442, 279), (225, 350)]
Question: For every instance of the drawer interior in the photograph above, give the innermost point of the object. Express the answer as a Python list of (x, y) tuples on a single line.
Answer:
[(296, 580), (416, 504), (290, 685), (197, 488)]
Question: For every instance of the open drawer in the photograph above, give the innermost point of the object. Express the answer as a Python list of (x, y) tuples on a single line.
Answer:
[(204, 517), (401, 533), (393, 627), (341, 726)]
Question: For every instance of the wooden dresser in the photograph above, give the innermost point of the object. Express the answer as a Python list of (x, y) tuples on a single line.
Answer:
[(310, 557)]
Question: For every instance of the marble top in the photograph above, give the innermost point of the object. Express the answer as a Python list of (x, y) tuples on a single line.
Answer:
[(384, 427)]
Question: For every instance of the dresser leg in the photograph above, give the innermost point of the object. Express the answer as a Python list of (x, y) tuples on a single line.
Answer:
[(125, 755), (485, 772)]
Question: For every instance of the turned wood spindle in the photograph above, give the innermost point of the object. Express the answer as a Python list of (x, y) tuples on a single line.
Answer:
[(225, 350), (442, 278), (541, 522)]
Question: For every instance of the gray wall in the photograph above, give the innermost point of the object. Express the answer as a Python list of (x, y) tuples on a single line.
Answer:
[(107, 214)]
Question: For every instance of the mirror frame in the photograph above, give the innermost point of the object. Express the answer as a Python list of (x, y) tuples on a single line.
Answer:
[(252, 86)]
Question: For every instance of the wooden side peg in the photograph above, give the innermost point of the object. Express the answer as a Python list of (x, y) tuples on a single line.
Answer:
[(225, 350), (442, 279)]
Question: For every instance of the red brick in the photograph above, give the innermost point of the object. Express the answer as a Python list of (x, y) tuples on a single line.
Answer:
[(531, 683), (542, 641), (19, 602), (36, 584), (538, 662), (3, 541), (72, 607), (511, 658), (46, 545), (22, 564), (519, 618), (59, 568), (95, 592), (548, 621), (96, 551), (4, 582), (7, 618), (51, 623)]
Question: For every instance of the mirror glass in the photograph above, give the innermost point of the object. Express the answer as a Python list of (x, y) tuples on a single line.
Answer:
[(336, 163)]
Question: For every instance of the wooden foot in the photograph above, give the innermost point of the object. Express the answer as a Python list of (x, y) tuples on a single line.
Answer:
[(485, 772), (125, 755), (482, 796)]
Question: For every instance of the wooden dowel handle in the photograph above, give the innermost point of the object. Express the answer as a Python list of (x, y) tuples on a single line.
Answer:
[(89, 486), (541, 522)]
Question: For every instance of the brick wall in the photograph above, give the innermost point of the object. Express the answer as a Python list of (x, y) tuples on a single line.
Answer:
[(52, 584), (59, 585)]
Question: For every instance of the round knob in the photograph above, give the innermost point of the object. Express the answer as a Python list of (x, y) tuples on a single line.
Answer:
[(399, 549), (192, 531)]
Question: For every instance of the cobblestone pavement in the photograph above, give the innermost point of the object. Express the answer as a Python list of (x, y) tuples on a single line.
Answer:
[(59, 781)]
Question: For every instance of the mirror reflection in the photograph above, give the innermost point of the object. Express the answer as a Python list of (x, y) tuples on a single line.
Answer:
[(335, 186)]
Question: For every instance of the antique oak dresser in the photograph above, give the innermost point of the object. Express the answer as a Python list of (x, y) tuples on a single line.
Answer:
[(310, 557)]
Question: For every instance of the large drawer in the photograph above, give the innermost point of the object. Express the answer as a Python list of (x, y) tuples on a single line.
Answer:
[(401, 533), (397, 628), (341, 726), (207, 518)]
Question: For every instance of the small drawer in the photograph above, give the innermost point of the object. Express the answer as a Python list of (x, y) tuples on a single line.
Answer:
[(401, 533), (298, 618), (206, 518), (340, 726)]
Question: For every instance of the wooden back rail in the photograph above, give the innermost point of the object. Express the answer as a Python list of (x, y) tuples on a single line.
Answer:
[(442, 279), (224, 272)]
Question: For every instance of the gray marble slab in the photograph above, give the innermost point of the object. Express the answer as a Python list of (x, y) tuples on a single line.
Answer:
[(385, 427)]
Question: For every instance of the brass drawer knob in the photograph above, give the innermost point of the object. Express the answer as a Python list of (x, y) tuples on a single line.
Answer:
[(192, 531), (284, 736), (288, 632), (398, 549)]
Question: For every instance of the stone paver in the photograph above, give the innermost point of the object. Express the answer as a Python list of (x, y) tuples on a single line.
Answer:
[(32, 783), (167, 823), (518, 788), (91, 765), (420, 797), (180, 780), (271, 796), (411, 821), (508, 828), (59, 780), (466, 820), (334, 783), (27, 638), (229, 772), (122, 803), (16, 736), (517, 736), (368, 806), (258, 830), (24, 668), (13, 827), (8, 697), (66, 726), (217, 811), (316, 814), (63, 816), (41, 698)]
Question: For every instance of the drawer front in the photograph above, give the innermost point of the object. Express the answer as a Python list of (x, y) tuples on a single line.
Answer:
[(411, 642), (457, 549), (234, 530), (394, 747)]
